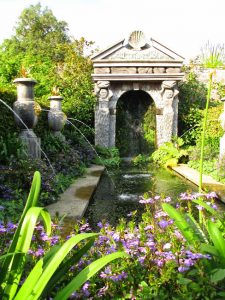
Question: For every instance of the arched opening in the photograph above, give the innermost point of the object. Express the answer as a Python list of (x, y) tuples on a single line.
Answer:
[(135, 124)]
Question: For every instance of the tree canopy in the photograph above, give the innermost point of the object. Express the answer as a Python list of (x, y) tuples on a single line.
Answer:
[(42, 45)]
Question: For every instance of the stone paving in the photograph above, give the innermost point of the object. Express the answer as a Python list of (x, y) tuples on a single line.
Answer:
[(208, 183), (74, 201)]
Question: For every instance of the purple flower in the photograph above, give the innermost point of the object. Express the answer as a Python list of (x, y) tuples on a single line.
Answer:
[(85, 227), (182, 269), (39, 252), (160, 214), (163, 224), (167, 246), (199, 207), (151, 245), (85, 289), (214, 206), (130, 214), (147, 201), (149, 227), (160, 262), (45, 237), (2, 229), (116, 236), (141, 259), (167, 199), (102, 291), (100, 225), (211, 195), (54, 240)]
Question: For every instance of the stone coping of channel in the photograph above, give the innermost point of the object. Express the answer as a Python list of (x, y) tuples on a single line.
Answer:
[(208, 183), (74, 201)]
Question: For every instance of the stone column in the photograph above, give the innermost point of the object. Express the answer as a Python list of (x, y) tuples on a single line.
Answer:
[(27, 110), (169, 94), (222, 139), (56, 118), (102, 114)]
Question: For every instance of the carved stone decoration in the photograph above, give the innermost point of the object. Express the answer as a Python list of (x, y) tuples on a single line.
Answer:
[(222, 139), (56, 118), (27, 110), (102, 114), (169, 92), (131, 64), (137, 40)]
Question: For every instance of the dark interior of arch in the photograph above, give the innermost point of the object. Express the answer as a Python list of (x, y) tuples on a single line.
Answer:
[(135, 124)]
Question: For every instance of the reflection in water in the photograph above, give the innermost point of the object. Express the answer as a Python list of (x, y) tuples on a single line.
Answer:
[(111, 203)]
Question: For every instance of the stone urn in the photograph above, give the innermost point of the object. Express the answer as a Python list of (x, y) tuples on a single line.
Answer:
[(56, 118), (27, 111), (25, 106)]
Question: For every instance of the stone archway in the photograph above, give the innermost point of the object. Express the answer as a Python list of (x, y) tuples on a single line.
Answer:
[(136, 65), (135, 124)]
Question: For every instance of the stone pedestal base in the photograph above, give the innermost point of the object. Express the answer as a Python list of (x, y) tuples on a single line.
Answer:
[(59, 135), (32, 143)]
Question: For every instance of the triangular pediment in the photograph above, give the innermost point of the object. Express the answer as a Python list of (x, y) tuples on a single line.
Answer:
[(124, 50)]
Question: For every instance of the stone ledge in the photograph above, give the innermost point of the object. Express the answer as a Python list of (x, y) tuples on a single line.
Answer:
[(208, 183), (74, 201)]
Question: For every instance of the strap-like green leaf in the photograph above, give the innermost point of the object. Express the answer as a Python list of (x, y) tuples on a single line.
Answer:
[(87, 273), (181, 223), (31, 281), (196, 228), (16, 266), (217, 238), (31, 201), (55, 261), (64, 267)]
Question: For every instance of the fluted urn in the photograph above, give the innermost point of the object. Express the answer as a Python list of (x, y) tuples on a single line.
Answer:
[(56, 118), (26, 114), (25, 106)]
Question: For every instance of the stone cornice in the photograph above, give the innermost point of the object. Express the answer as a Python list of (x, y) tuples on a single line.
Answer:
[(139, 77)]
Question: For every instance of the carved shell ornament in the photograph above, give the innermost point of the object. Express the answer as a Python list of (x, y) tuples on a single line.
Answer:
[(137, 40)]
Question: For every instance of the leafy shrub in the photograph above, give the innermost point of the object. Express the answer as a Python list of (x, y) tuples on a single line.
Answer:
[(11, 147), (140, 160), (169, 155), (192, 98), (108, 157)]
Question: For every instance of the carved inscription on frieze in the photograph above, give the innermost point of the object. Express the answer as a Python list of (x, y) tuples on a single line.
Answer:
[(127, 54)]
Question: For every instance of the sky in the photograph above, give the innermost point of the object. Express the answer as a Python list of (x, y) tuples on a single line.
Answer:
[(184, 26)]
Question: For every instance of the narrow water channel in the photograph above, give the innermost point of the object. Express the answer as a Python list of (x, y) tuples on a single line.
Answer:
[(119, 191)]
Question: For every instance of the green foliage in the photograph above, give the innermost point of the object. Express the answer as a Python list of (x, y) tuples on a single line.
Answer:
[(202, 234), (11, 148), (192, 98), (108, 157), (42, 45), (212, 58), (46, 268), (167, 154), (141, 160)]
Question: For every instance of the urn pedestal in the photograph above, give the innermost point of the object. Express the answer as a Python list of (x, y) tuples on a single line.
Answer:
[(56, 118), (26, 117)]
